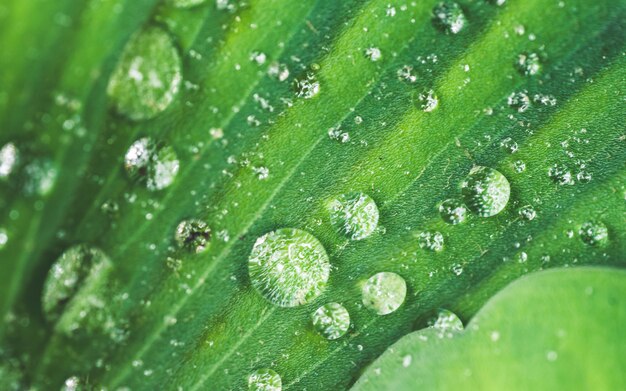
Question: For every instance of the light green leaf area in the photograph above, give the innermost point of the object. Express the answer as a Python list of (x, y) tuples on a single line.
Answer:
[(553, 330), (352, 125)]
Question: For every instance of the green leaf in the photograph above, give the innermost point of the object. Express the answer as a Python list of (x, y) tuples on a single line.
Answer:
[(292, 115), (553, 330)]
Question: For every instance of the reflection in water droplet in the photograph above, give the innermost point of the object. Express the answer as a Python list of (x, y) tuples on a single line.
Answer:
[(452, 211), (264, 379), (432, 241), (449, 17), (384, 292), (485, 191), (426, 100), (354, 215), (594, 233), (527, 212), (9, 157), (528, 64), (148, 75), (193, 235), (289, 267), (154, 164), (331, 320)]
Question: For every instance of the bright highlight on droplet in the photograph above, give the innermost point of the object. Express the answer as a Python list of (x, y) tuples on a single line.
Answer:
[(193, 235), (264, 379), (384, 292), (289, 267), (354, 215), (9, 157), (152, 163), (331, 320), (147, 76), (485, 191)]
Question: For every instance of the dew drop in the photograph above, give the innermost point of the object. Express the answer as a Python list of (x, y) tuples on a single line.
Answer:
[(432, 241), (594, 233), (509, 145), (426, 101), (384, 292), (307, 87), (354, 215), (148, 75), (72, 384), (40, 177), (331, 320), (374, 54), (193, 235), (528, 64), (152, 163), (452, 211), (185, 3), (9, 157), (561, 174), (519, 101), (527, 212), (4, 238), (446, 321), (485, 191), (519, 166), (448, 16), (289, 267), (264, 379)]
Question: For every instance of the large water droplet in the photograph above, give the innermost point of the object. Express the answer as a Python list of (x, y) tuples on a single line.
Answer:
[(289, 267), (485, 191), (154, 164), (432, 241), (594, 233), (264, 379), (9, 157), (147, 76), (449, 17), (331, 320), (354, 215), (384, 292), (193, 235), (452, 211)]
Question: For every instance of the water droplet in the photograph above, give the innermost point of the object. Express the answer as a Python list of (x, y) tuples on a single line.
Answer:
[(338, 135), (9, 157), (528, 64), (509, 145), (519, 101), (4, 238), (426, 101), (264, 379), (354, 214), (519, 166), (154, 164), (594, 233), (406, 360), (193, 235), (289, 267), (331, 320), (148, 75), (561, 174), (185, 3), (446, 321), (527, 212), (79, 268), (486, 191), (40, 177), (384, 292), (432, 241), (307, 87), (278, 71), (452, 211), (374, 54), (449, 17), (72, 384)]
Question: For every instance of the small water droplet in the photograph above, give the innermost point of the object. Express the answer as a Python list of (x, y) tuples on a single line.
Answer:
[(527, 212), (4, 238), (519, 166), (519, 101), (446, 323), (72, 384), (331, 320), (509, 145), (486, 191), (448, 16), (374, 54), (289, 267), (594, 233), (40, 177), (561, 174), (148, 75), (264, 379), (185, 3), (528, 64), (406, 360), (354, 215), (384, 292), (9, 157), (278, 71), (426, 100), (432, 241), (154, 164), (452, 211), (193, 235), (307, 87)]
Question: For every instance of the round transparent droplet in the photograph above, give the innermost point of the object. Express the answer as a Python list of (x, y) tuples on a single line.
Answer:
[(453, 211), (307, 87), (446, 323), (331, 320), (147, 76), (152, 163), (561, 174), (594, 233), (289, 267), (426, 101), (519, 166), (72, 384), (527, 212), (485, 191), (528, 64), (9, 157), (264, 379), (374, 54), (509, 145), (448, 16), (354, 215), (384, 292), (40, 177), (430, 240), (519, 101), (193, 235)]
